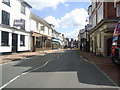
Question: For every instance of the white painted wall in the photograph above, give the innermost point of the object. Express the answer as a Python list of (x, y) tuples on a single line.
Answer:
[(33, 25), (15, 13)]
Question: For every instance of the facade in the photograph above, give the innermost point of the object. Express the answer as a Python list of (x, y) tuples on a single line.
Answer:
[(82, 39), (102, 16), (55, 40), (14, 26), (41, 31)]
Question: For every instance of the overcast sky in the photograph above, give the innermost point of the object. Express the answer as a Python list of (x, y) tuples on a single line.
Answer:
[(68, 16)]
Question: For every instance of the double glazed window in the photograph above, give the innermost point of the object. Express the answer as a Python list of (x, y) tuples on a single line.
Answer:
[(23, 8), (5, 17), (4, 38), (7, 2), (22, 40)]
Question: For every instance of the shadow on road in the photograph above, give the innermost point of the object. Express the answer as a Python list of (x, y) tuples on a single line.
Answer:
[(67, 61)]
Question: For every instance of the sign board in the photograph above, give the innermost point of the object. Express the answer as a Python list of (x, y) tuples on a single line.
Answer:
[(18, 22)]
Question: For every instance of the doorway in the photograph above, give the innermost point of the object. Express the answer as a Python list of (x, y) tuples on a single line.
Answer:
[(14, 42), (109, 44)]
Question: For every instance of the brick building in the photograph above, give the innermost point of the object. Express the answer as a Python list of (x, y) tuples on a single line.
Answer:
[(102, 16)]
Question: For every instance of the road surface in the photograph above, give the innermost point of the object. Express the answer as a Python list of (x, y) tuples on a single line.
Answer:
[(64, 69)]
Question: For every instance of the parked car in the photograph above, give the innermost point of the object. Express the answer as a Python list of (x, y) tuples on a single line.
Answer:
[(115, 50)]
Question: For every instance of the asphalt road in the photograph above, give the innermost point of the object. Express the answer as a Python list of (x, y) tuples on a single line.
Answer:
[(64, 69)]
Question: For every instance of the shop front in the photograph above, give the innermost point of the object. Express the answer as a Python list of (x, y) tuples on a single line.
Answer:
[(55, 44)]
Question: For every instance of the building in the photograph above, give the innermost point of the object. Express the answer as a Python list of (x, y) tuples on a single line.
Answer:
[(14, 26), (56, 42), (117, 7), (88, 29), (102, 16), (41, 33), (82, 39)]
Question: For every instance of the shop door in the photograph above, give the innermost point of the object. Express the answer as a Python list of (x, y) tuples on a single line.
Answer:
[(14, 42), (109, 44)]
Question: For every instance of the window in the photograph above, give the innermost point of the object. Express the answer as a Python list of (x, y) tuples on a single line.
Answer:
[(100, 40), (23, 8), (37, 42), (37, 26), (22, 40), (7, 2), (5, 17), (5, 38), (23, 25), (42, 28)]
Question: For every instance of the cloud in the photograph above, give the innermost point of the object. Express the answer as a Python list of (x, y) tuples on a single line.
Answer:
[(76, 18), (41, 4), (53, 20), (67, 5), (74, 33)]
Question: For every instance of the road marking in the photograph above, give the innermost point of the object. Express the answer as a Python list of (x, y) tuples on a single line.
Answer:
[(24, 74), (9, 82)]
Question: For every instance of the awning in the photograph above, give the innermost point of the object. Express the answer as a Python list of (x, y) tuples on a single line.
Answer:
[(55, 40)]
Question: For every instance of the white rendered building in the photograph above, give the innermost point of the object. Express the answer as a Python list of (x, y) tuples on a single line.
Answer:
[(14, 26)]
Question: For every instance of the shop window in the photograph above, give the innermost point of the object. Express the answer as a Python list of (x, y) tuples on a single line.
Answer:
[(7, 2), (37, 42), (22, 8), (22, 40), (5, 17), (4, 38)]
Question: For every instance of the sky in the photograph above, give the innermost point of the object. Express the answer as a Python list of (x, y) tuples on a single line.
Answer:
[(68, 17)]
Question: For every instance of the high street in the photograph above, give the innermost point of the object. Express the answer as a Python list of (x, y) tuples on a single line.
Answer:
[(63, 69)]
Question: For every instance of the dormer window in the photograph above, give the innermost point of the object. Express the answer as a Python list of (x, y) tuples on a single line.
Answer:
[(22, 8), (7, 2)]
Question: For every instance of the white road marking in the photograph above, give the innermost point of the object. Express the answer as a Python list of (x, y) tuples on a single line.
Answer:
[(24, 74), (9, 82)]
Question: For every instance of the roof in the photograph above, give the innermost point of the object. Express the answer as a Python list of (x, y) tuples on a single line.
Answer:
[(37, 18), (24, 2)]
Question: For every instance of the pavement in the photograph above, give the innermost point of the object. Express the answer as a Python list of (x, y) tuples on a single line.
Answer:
[(105, 64), (23, 55)]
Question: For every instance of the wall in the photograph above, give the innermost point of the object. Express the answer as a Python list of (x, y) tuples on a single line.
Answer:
[(15, 13), (109, 10)]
